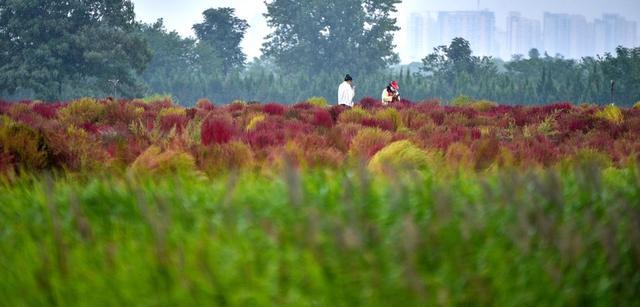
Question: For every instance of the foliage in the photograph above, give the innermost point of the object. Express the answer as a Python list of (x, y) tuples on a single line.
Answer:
[(255, 121), (87, 134), (216, 130), (483, 105), (223, 31), (461, 101), (219, 158), (78, 112), (157, 161), (368, 142), (353, 115), (21, 146), (72, 43), (318, 101), (323, 237), (398, 156), (319, 36), (611, 113)]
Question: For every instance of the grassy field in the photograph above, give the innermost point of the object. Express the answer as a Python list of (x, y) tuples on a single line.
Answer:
[(565, 236), (145, 203)]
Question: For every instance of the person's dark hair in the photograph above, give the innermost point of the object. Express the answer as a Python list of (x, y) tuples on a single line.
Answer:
[(348, 78)]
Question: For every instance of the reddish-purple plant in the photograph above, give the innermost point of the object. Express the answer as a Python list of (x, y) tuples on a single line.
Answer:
[(46, 110), (336, 111), (273, 109), (170, 121), (322, 118), (216, 130), (369, 103), (378, 123)]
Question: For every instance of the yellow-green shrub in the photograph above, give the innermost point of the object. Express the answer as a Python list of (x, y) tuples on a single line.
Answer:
[(353, 115), (461, 101), (318, 101), (154, 160), (155, 98), (24, 144), (368, 141), (219, 158), (391, 115), (180, 111), (400, 155), (636, 105), (483, 105), (611, 113), (588, 156), (17, 109), (82, 150), (81, 111), (460, 155), (255, 121)]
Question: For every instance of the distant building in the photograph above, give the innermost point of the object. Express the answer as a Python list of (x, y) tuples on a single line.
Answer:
[(416, 37), (557, 34), (478, 27), (572, 36), (522, 34), (612, 31)]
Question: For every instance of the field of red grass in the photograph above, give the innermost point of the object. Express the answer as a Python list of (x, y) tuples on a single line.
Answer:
[(95, 135)]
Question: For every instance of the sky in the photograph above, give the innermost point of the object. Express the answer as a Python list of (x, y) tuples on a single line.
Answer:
[(181, 15)]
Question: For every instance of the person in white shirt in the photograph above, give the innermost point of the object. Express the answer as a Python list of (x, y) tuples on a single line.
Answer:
[(346, 92)]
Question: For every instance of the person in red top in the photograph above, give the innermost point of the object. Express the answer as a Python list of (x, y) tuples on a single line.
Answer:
[(391, 93)]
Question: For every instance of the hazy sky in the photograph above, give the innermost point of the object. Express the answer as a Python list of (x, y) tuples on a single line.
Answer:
[(181, 15)]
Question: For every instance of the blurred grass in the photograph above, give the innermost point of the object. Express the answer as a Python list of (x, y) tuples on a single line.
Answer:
[(565, 236)]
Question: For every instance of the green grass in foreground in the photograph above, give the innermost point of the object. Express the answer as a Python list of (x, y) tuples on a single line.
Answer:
[(559, 237)]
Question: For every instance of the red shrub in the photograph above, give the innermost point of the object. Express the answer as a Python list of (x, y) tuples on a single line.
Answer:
[(336, 111), (216, 130), (322, 118), (4, 106), (90, 127), (558, 106), (205, 104), (191, 113), (169, 121), (235, 107), (378, 123), (273, 109), (263, 137), (369, 103), (476, 134), (427, 106), (438, 117), (303, 106), (46, 110), (291, 128)]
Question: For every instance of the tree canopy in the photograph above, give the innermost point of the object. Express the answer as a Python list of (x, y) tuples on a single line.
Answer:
[(50, 45), (223, 32), (313, 36)]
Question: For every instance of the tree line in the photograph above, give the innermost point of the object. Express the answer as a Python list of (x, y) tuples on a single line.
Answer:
[(59, 50)]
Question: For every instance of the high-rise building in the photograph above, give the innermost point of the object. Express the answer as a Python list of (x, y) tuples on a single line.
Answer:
[(557, 34), (478, 27), (522, 34), (612, 31), (580, 38), (416, 37)]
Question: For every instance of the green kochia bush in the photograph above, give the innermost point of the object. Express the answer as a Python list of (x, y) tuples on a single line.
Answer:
[(566, 237)]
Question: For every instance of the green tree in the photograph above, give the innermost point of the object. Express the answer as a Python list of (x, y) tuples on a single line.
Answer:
[(50, 45), (331, 35), (223, 31)]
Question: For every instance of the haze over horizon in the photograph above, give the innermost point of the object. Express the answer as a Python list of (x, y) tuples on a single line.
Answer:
[(180, 16)]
